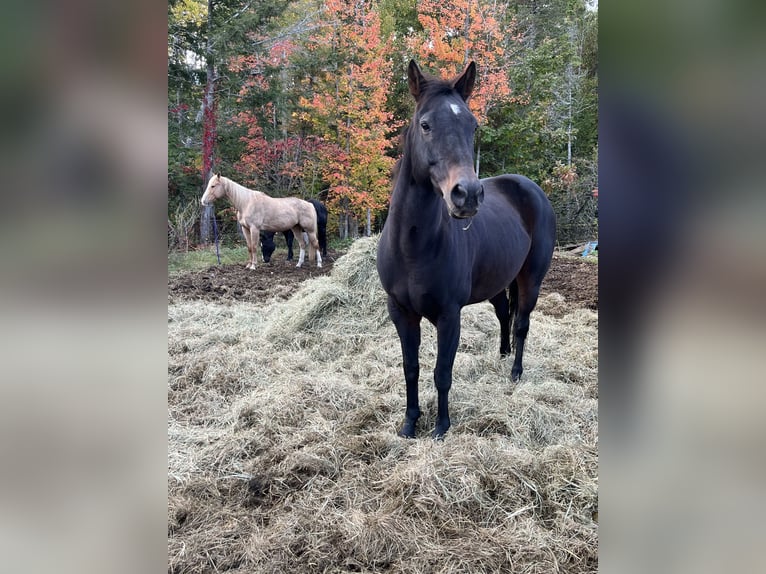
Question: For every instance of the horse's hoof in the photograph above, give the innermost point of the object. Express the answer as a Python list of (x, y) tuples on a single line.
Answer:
[(516, 375), (440, 430), (407, 430)]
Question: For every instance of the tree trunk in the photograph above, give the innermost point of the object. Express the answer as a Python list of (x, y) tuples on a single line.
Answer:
[(478, 156), (208, 128), (368, 224)]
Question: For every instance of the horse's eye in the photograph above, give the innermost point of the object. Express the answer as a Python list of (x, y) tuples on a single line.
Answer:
[(424, 125)]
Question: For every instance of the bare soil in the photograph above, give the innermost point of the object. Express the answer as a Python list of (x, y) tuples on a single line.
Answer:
[(572, 277)]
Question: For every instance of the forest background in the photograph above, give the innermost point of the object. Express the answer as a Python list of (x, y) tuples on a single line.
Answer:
[(306, 98)]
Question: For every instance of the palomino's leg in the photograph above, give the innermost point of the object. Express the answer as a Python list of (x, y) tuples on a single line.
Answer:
[(314, 250), (447, 339), (250, 247), (298, 232), (289, 240), (255, 240), (408, 328), (503, 313)]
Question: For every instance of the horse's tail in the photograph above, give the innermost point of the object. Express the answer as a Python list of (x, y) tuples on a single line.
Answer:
[(513, 302), (321, 224)]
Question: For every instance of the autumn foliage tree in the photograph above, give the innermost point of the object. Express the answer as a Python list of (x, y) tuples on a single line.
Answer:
[(346, 106), (455, 32)]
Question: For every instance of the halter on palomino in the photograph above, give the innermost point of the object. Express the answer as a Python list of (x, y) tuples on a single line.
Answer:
[(451, 240), (258, 212)]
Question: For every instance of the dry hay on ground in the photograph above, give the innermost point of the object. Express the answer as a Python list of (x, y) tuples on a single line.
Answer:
[(283, 454)]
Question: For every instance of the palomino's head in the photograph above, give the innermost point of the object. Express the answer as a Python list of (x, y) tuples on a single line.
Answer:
[(441, 139), (213, 191)]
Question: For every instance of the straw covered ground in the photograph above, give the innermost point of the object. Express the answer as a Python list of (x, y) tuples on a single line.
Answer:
[(282, 446)]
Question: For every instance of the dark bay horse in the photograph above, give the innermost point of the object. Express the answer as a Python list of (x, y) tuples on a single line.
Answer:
[(451, 240), (267, 237)]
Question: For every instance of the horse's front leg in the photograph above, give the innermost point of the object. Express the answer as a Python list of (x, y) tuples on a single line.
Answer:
[(408, 327), (252, 246), (447, 339)]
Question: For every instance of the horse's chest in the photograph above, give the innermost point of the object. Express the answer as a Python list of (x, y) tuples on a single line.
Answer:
[(427, 290)]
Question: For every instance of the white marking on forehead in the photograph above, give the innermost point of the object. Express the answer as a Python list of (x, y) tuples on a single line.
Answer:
[(455, 109)]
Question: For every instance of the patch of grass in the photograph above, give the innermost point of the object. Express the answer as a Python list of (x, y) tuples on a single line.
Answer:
[(204, 257), (339, 244)]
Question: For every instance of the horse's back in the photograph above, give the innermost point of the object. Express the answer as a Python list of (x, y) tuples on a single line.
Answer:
[(280, 213), (535, 211), (530, 201)]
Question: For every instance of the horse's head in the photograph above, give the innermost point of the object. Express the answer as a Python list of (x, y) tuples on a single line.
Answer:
[(213, 191), (441, 139), (267, 246)]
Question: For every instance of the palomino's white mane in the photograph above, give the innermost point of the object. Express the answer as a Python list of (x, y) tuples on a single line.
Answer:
[(238, 194)]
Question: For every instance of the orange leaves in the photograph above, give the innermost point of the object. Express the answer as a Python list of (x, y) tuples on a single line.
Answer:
[(563, 179), (458, 31), (348, 106), (339, 107)]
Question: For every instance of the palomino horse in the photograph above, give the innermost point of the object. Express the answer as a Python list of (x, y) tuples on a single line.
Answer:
[(267, 237), (258, 212), (451, 240)]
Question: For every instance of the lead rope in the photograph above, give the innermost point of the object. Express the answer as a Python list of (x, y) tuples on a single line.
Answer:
[(215, 234)]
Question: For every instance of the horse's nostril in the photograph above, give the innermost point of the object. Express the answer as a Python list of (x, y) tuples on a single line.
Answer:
[(459, 195), (480, 195)]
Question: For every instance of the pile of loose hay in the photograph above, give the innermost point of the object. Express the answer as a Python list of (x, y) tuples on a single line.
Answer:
[(283, 454)]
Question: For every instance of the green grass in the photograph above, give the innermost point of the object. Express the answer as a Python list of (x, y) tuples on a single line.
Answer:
[(339, 244), (202, 258)]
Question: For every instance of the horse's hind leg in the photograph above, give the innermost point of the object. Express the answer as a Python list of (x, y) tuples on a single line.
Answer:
[(314, 250), (298, 232), (528, 290), (503, 313)]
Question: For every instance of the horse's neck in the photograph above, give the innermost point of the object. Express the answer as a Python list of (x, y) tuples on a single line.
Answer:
[(414, 205), (238, 195)]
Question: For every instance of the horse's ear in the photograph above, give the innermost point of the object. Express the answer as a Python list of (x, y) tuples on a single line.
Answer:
[(464, 84), (415, 79)]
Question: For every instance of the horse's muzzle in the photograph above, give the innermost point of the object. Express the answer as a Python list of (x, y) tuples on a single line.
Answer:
[(466, 197)]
